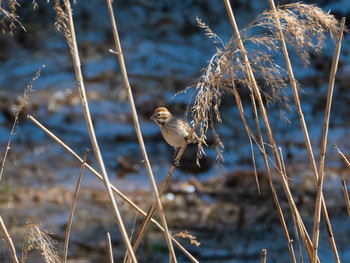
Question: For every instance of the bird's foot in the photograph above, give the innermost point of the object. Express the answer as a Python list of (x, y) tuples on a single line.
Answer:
[(176, 163)]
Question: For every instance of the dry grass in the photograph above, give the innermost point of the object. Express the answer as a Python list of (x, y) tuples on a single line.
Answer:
[(187, 235), (21, 104), (247, 61), (38, 239), (65, 22), (305, 28), (250, 56), (8, 17)]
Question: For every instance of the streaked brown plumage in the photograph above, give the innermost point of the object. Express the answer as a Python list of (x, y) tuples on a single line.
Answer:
[(175, 130)]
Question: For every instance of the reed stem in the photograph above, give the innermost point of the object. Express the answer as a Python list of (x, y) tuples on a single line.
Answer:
[(138, 130), (72, 43)]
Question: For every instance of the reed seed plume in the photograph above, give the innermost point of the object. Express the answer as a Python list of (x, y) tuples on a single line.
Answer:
[(61, 23), (21, 104), (186, 234), (28, 91), (8, 17), (208, 32), (38, 239), (305, 28)]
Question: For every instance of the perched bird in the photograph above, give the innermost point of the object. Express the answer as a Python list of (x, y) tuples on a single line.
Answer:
[(175, 130)]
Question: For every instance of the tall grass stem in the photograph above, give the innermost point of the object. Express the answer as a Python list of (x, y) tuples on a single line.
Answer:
[(266, 122), (72, 43), (346, 196), (75, 197), (8, 240), (319, 194), (138, 130), (110, 250)]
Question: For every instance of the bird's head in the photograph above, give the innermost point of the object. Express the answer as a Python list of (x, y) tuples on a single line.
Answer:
[(161, 115)]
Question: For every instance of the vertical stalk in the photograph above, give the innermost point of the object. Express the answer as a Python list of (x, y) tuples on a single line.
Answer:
[(263, 256), (138, 130), (262, 148), (267, 125), (110, 250), (80, 85), (308, 146), (75, 196), (323, 149), (346, 196), (151, 211), (8, 240)]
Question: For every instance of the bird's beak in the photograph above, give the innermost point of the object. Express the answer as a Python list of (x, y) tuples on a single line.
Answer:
[(152, 117)]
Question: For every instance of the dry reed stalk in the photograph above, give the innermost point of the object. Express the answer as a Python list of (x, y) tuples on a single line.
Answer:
[(323, 149), (151, 211), (247, 128), (297, 241), (8, 240), (293, 215), (110, 251), (75, 196), (263, 256), (138, 130), (346, 196), (265, 157), (267, 125), (65, 19), (307, 141), (131, 235), (343, 157), (22, 103), (290, 245), (114, 189), (275, 197)]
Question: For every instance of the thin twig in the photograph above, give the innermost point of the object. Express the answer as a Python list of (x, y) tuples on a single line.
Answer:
[(138, 130), (72, 43), (250, 134), (8, 240), (131, 235), (324, 143), (295, 228), (346, 196), (114, 189), (69, 225), (110, 250), (343, 157)]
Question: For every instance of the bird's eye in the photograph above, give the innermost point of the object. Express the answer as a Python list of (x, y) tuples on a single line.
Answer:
[(158, 114)]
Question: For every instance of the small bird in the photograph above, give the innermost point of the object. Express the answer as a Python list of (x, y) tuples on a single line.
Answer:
[(175, 130)]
